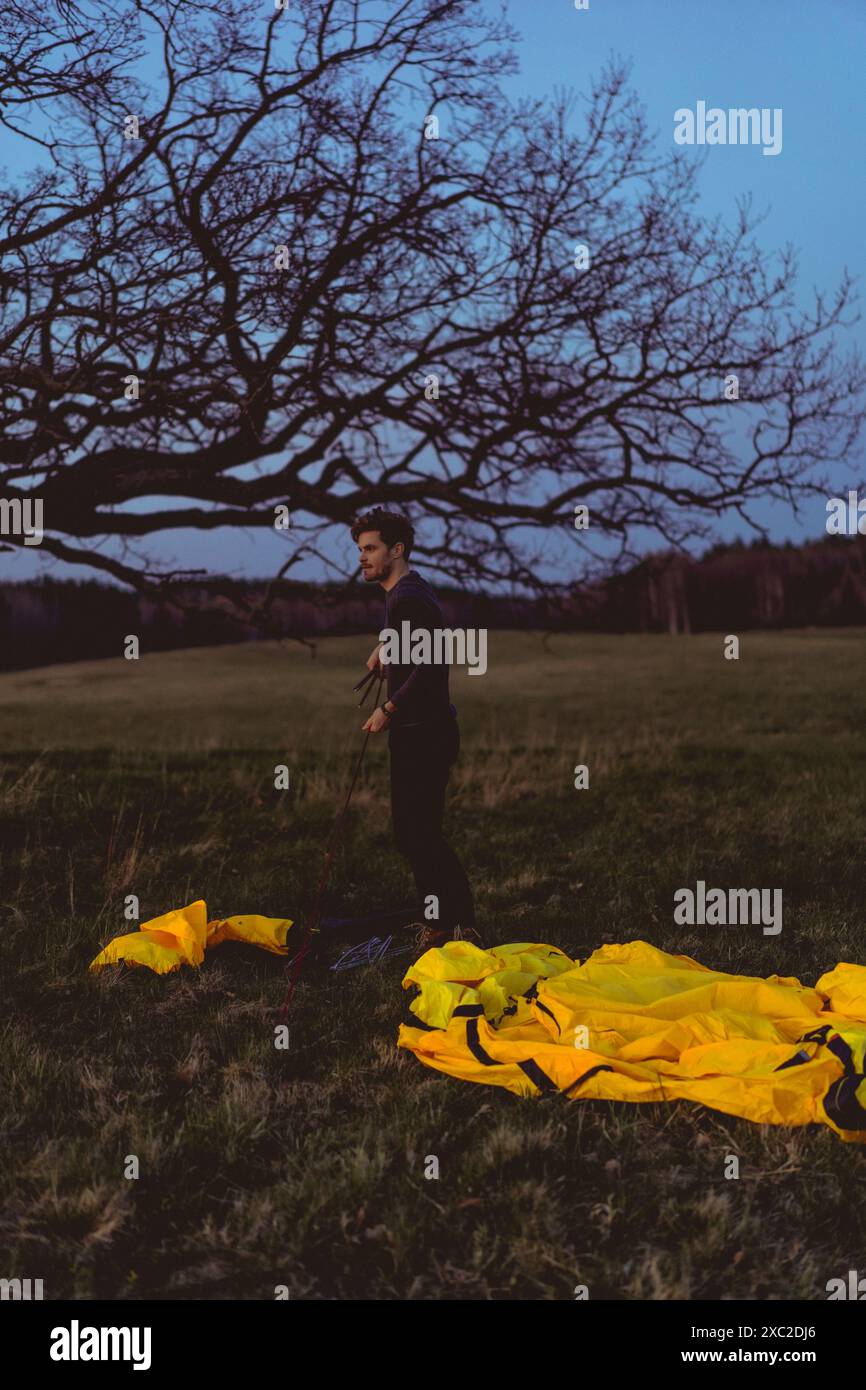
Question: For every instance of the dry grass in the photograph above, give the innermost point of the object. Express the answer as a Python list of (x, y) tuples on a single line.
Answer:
[(306, 1168)]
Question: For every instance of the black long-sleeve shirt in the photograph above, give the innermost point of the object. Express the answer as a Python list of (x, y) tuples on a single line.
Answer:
[(419, 692)]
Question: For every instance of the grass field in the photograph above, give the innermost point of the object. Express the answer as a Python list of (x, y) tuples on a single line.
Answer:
[(305, 1168)]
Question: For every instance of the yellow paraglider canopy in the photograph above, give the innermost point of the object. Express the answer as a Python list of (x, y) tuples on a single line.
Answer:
[(637, 1024), (182, 936)]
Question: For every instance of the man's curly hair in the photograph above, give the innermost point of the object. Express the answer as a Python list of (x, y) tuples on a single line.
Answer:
[(392, 527)]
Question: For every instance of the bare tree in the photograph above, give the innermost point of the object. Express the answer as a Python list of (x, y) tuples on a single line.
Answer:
[(427, 337)]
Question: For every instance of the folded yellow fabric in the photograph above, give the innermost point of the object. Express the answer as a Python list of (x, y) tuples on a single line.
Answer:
[(182, 936), (635, 1023)]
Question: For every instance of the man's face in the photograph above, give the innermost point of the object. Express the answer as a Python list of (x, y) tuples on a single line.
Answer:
[(375, 557)]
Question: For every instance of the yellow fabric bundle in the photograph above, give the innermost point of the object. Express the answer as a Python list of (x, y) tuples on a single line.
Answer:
[(182, 936), (634, 1023)]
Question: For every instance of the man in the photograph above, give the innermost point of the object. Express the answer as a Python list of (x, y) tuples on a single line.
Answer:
[(423, 736)]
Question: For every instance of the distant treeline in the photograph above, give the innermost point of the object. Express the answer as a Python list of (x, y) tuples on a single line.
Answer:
[(731, 588)]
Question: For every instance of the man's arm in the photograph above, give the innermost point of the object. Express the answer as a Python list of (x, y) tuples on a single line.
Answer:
[(421, 618)]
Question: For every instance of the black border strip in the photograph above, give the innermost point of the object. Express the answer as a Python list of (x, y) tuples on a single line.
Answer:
[(842, 1105), (538, 1004), (796, 1061), (474, 1045), (602, 1066), (841, 1049), (415, 1022), (539, 1077), (818, 1035)]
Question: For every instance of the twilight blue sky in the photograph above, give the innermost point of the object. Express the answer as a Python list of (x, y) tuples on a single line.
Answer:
[(804, 56)]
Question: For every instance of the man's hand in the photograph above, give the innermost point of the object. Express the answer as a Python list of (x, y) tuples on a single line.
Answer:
[(373, 662), (377, 722)]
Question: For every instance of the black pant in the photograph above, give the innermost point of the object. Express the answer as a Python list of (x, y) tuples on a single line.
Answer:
[(422, 756)]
